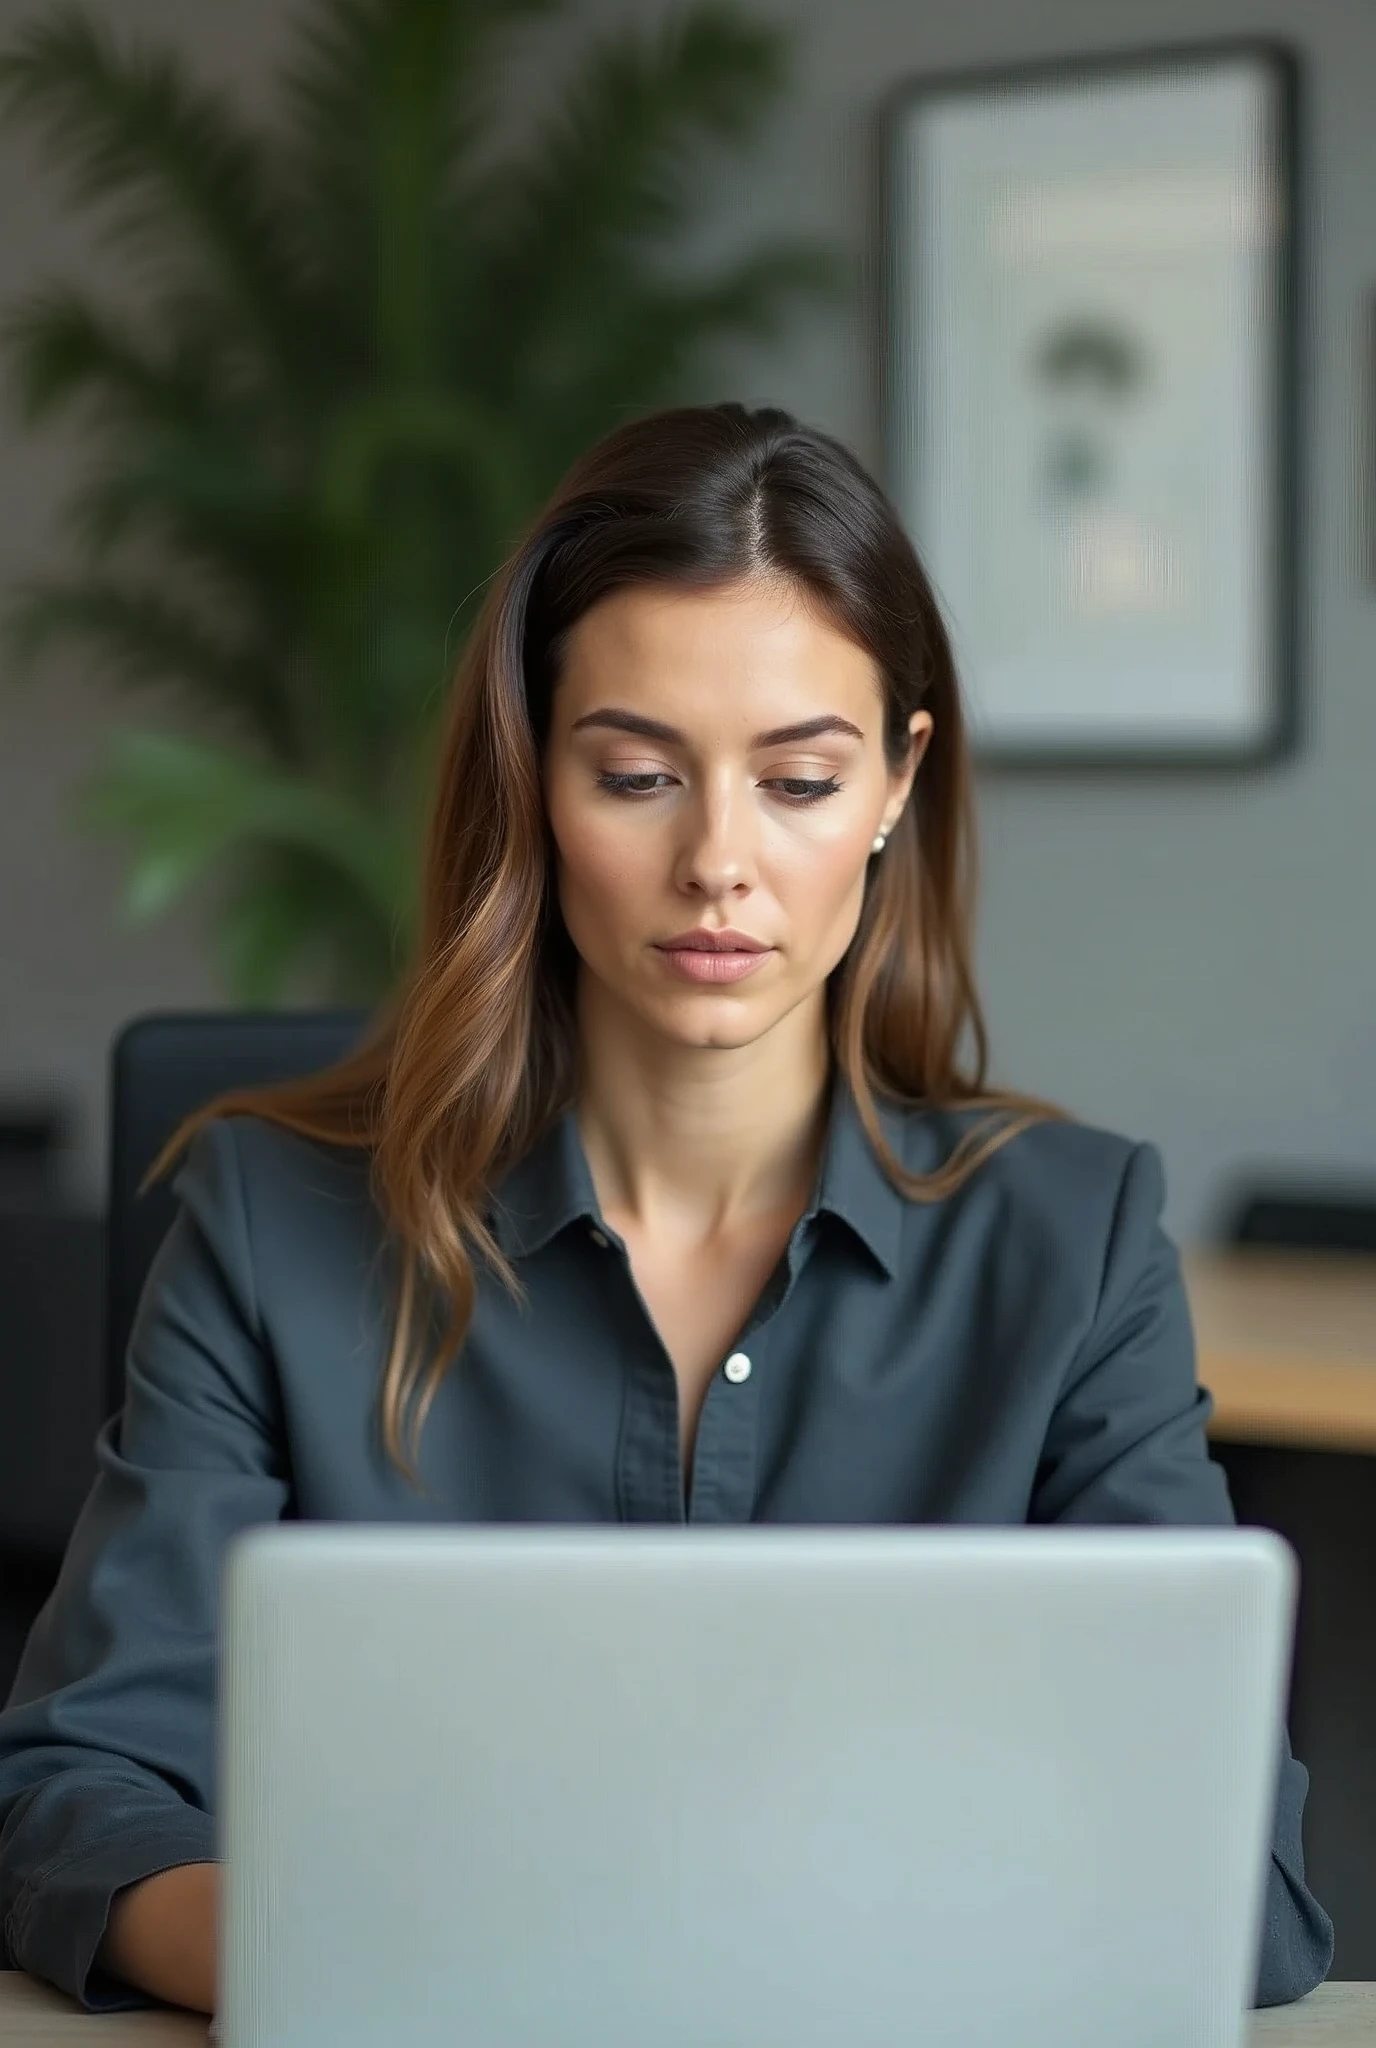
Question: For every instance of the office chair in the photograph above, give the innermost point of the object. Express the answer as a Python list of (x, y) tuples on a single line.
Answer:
[(162, 1067)]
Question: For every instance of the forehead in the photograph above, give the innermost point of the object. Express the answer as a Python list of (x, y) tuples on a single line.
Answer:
[(651, 647)]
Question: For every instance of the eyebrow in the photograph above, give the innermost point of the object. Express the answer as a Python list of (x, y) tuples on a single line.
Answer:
[(613, 720)]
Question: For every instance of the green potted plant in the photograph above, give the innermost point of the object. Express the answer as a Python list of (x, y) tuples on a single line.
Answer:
[(356, 350)]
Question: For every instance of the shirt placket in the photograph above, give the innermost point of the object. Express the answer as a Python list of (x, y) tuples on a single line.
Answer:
[(649, 1465), (649, 1485), (723, 1482)]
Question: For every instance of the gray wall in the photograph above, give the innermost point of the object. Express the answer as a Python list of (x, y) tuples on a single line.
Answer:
[(1192, 962)]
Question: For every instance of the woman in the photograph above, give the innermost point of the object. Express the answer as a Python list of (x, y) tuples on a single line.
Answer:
[(678, 1127)]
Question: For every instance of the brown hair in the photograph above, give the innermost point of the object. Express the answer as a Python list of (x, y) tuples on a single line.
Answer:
[(474, 1055)]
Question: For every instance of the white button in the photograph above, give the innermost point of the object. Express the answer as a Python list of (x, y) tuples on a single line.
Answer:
[(737, 1368), (599, 1240)]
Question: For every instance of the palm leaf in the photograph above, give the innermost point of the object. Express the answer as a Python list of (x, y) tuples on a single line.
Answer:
[(131, 132), (211, 506), (647, 339), (439, 428), (187, 803), (286, 916), (144, 638), (188, 469), (612, 169), (384, 98), (62, 348)]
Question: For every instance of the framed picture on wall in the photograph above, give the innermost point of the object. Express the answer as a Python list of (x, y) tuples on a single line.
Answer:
[(1087, 356)]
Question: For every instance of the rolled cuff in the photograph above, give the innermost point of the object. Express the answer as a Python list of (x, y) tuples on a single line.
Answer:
[(59, 1918), (1297, 1951), (1297, 1934)]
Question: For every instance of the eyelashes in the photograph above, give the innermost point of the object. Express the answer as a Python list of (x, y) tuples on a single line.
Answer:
[(799, 790)]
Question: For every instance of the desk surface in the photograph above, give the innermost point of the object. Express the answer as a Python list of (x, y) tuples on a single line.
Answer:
[(1287, 1346), (32, 2016)]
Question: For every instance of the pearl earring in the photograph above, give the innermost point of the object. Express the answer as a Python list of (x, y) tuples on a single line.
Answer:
[(878, 845)]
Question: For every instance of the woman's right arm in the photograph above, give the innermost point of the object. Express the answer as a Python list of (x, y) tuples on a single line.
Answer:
[(107, 1744)]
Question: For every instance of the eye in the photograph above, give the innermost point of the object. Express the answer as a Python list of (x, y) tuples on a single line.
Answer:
[(631, 785), (797, 789)]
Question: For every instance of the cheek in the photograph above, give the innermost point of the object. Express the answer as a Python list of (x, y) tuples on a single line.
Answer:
[(819, 884), (821, 875), (598, 867)]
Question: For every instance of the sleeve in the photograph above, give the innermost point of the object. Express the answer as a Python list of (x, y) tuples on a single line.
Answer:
[(1127, 1444), (107, 1742)]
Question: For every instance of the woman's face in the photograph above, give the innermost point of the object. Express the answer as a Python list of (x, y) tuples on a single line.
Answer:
[(714, 763)]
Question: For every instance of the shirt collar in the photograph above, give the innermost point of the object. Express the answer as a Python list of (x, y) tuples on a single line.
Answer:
[(551, 1186), (852, 1184)]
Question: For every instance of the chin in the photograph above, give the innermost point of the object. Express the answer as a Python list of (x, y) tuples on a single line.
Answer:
[(712, 1025)]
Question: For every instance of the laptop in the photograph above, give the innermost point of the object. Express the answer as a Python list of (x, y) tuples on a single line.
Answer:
[(595, 1787)]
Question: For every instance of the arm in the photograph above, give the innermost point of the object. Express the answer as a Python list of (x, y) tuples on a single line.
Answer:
[(107, 1752), (162, 1936), (1127, 1444)]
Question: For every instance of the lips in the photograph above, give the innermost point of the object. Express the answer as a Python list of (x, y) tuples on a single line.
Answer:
[(713, 966), (714, 942)]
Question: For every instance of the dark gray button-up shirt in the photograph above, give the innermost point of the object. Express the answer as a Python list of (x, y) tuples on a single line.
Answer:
[(1017, 1352)]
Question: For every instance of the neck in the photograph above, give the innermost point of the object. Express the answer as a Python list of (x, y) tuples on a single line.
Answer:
[(689, 1143)]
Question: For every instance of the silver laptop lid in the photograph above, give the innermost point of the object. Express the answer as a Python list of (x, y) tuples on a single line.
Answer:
[(768, 1788)]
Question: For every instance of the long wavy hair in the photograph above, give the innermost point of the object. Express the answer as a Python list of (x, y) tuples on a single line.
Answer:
[(474, 1054)]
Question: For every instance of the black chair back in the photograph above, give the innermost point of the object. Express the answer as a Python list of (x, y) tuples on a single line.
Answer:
[(162, 1067)]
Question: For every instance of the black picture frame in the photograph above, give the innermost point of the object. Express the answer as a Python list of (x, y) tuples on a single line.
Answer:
[(1272, 732), (1366, 442)]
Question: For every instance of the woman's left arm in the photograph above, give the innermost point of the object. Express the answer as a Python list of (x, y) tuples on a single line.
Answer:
[(1127, 1444)]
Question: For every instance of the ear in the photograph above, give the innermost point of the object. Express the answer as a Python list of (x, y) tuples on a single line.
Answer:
[(901, 779), (921, 727)]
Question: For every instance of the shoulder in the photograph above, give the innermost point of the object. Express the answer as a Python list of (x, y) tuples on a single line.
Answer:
[(1054, 1239), (255, 1151), (1058, 1185), (1059, 1159), (275, 1193)]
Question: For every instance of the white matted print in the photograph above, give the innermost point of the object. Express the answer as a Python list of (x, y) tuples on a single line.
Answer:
[(1087, 398)]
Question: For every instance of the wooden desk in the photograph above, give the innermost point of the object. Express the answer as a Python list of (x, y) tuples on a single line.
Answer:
[(1287, 1346), (32, 2016)]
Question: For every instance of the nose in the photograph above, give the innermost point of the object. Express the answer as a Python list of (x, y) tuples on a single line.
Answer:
[(717, 855)]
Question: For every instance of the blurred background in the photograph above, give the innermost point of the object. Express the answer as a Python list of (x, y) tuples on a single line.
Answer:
[(308, 303), (1193, 962)]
